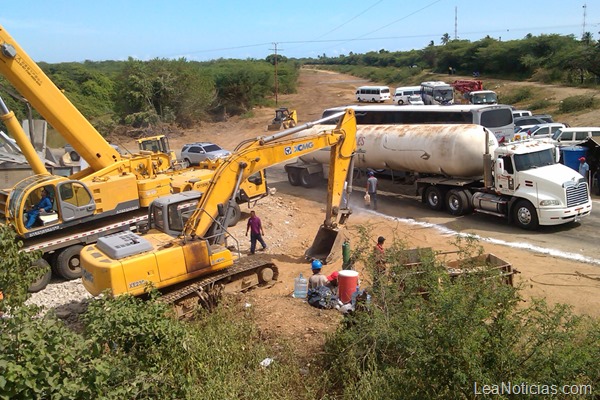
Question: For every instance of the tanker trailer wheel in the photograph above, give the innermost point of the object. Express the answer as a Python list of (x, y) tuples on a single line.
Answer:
[(309, 180), (68, 265), (234, 215), (525, 215), (43, 280), (457, 202), (294, 177), (434, 197)]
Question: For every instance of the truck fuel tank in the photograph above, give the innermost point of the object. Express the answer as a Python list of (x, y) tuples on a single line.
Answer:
[(447, 149)]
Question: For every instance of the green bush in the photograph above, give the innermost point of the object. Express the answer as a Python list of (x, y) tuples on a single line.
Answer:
[(540, 105), (519, 95), (577, 103), (426, 335), (131, 348), (17, 269)]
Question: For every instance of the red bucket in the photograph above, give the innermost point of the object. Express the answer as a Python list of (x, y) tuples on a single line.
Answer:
[(347, 283)]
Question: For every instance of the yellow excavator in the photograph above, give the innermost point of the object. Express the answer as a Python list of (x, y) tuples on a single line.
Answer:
[(185, 250), (284, 118), (160, 144)]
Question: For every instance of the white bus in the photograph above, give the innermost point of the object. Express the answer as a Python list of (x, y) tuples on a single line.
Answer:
[(402, 94), (373, 94), (437, 92), (497, 118)]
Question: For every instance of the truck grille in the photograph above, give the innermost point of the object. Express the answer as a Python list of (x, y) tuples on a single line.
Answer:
[(577, 194)]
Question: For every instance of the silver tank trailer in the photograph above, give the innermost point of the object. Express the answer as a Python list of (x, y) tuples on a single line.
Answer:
[(450, 150)]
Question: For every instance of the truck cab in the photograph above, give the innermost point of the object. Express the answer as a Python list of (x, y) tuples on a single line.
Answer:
[(542, 191)]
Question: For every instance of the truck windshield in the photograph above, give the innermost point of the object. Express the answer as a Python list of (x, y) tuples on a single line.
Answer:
[(443, 94), (523, 162), (484, 98)]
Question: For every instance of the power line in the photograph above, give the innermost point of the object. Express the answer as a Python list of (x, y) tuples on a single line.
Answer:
[(343, 24), (362, 39)]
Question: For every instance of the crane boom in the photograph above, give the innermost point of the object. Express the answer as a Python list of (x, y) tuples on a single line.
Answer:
[(33, 84)]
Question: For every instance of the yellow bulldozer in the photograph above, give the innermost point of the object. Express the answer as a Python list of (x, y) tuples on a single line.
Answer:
[(284, 118)]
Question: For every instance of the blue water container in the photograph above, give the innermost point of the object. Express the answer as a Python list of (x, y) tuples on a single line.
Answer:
[(300, 287), (570, 156)]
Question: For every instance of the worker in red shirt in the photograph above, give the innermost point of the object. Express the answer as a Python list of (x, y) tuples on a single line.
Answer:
[(380, 254)]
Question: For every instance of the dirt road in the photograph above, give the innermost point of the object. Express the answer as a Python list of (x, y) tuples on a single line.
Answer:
[(291, 218)]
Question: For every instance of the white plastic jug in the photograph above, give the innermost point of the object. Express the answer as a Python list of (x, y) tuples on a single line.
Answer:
[(300, 287)]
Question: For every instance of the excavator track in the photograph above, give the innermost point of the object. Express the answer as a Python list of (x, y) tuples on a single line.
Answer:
[(206, 291)]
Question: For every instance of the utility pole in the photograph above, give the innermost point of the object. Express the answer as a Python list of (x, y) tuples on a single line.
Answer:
[(276, 77), (584, 13)]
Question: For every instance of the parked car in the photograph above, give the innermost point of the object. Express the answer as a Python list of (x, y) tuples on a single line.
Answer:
[(415, 100), (572, 136), (545, 117), (529, 121), (195, 153), (543, 130), (521, 113)]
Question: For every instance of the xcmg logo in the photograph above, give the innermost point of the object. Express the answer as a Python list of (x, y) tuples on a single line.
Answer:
[(297, 148)]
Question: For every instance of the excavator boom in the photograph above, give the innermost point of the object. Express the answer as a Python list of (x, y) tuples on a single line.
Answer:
[(267, 151)]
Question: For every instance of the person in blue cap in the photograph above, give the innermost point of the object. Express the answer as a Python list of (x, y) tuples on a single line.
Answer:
[(317, 279)]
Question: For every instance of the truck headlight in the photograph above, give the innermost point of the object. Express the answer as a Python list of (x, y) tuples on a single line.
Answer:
[(544, 203)]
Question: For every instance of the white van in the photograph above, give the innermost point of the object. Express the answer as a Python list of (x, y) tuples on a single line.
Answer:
[(521, 113), (373, 94), (402, 94), (573, 136)]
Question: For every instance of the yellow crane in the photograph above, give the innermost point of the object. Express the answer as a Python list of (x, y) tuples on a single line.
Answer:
[(96, 199), (187, 239)]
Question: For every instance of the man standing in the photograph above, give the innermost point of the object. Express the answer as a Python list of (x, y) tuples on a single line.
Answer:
[(584, 168), (43, 205), (256, 232), (372, 189)]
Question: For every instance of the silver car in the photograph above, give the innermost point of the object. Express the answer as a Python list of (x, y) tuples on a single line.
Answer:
[(195, 153)]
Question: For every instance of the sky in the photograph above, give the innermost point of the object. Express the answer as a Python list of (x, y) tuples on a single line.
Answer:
[(78, 30)]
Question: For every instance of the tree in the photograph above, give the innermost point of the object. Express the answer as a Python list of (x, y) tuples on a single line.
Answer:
[(445, 38)]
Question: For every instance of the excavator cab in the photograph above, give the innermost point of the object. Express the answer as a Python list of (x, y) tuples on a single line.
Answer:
[(284, 118), (160, 144)]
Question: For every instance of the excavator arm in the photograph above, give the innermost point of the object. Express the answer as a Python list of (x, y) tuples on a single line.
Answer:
[(267, 151)]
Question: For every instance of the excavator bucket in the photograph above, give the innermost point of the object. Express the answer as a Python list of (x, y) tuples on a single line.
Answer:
[(274, 126), (327, 246)]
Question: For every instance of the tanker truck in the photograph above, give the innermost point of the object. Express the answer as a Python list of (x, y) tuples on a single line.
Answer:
[(462, 169)]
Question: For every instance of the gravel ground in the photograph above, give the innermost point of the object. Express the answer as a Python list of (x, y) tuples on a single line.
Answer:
[(65, 298)]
